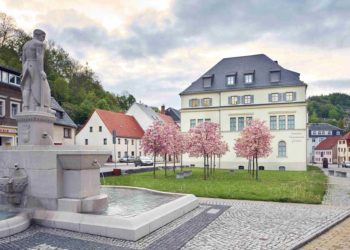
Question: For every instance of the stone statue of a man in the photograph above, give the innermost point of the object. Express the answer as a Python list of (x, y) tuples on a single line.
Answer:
[(36, 92)]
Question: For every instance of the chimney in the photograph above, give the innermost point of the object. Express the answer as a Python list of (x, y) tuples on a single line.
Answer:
[(276, 62), (162, 109)]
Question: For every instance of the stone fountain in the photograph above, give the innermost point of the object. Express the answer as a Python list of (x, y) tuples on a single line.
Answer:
[(60, 185)]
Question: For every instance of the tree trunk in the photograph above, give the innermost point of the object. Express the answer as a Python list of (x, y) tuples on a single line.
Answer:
[(257, 167), (165, 165), (214, 164), (253, 167), (208, 166), (181, 162), (204, 169), (174, 164), (154, 166)]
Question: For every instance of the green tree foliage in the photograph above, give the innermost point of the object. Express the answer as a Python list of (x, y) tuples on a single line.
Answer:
[(330, 108), (75, 86)]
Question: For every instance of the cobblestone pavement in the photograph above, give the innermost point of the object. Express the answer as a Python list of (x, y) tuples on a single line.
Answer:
[(265, 225), (338, 194)]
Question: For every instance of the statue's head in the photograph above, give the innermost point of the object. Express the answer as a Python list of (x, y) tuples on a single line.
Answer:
[(39, 34)]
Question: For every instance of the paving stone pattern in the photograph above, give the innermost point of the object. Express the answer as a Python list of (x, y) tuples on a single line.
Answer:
[(265, 225)]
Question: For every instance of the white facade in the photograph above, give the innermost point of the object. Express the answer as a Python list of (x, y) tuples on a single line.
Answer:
[(288, 144), (143, 115), (63, 135), (95, 133)]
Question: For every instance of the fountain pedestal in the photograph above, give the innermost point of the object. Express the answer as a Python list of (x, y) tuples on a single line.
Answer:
[(35, 127)]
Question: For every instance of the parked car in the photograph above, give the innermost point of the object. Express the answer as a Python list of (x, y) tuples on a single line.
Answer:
[(346, 164), (127, 159), (325, 163), (143, 161)]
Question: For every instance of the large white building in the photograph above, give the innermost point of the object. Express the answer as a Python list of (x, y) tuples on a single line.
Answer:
[(239, 89)]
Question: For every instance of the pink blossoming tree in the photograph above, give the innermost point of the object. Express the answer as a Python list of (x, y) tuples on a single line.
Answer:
[(203, 141), (177, 142), (254, 143), (153, 142)]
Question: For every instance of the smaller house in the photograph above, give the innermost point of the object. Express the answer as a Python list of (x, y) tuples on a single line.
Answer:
[(173, 113), (344, 148), (98, 131), (146, 116), (64, 129), (317, 132), (327, 149)]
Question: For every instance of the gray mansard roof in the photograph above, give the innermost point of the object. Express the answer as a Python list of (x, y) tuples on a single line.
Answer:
[(323, 126), (260, 65)]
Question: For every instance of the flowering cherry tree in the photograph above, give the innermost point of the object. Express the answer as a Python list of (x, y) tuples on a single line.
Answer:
[(254, 142), (153, 142), (203, 141), (177, 142), (220, 150)]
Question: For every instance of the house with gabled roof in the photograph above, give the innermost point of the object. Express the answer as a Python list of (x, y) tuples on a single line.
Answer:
[(344, 148), (98, 131), (239, 89), (327, 149), (146, 116)]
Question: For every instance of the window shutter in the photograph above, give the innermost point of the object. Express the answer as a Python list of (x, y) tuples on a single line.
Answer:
[(284, 98), (210, 102), (270, 97), (190, 103), (280, 96), (230, 100), (201, 101), (251, 99), (294, 96), (239, 99)]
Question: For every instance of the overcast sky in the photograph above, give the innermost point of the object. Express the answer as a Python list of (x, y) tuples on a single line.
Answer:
[(155, 49)]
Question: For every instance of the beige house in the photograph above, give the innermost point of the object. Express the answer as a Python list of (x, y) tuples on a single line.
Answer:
[(344, 148), (239, 89)]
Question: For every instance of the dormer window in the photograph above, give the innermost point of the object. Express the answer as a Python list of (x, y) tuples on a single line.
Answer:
[(248, 78), (231, 80), (275, 76), (207, 81)]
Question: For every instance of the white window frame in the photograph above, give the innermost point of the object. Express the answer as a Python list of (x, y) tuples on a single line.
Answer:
[(3, 108), (231, 80), (247, 99), (248, 78), (18, 108), (69, 136), (3, 73), (274, 97), (289, 96)]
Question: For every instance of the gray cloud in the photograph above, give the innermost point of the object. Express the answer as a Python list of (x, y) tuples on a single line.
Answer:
[(329, 86)]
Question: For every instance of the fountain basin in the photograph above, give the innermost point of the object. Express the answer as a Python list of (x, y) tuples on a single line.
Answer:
[(120, 225), (12, 223), (81, 161)]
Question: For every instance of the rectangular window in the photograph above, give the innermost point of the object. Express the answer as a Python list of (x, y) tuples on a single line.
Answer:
[(100, 128), (233, 125), (125, 141), (192, 123), (274, 97), (206, 102), (275, 76), (248, 120), (5, 77), (104, 141), (132, 153), (91, 129), (273, 122), (282, 122), (240, 123), (207, 120), (12, 79), (199, 121), (86, 142), (247, 99), (291, 121), (18, 80), (14, 109), (234, 100), (67, 133), (248, 78), (132, 142), (194, 102), (2, 108), (289, 96), (230, 80), (119, 154)]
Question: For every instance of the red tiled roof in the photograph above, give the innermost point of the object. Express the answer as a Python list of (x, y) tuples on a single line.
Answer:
[(328, 143), (166, 118), (346, 136), (124, 125)]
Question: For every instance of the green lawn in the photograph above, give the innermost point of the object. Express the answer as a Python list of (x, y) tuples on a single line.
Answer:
[(288, 186)]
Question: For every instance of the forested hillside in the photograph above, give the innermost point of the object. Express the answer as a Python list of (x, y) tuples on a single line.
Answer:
[(330, 108), (73, 85)]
